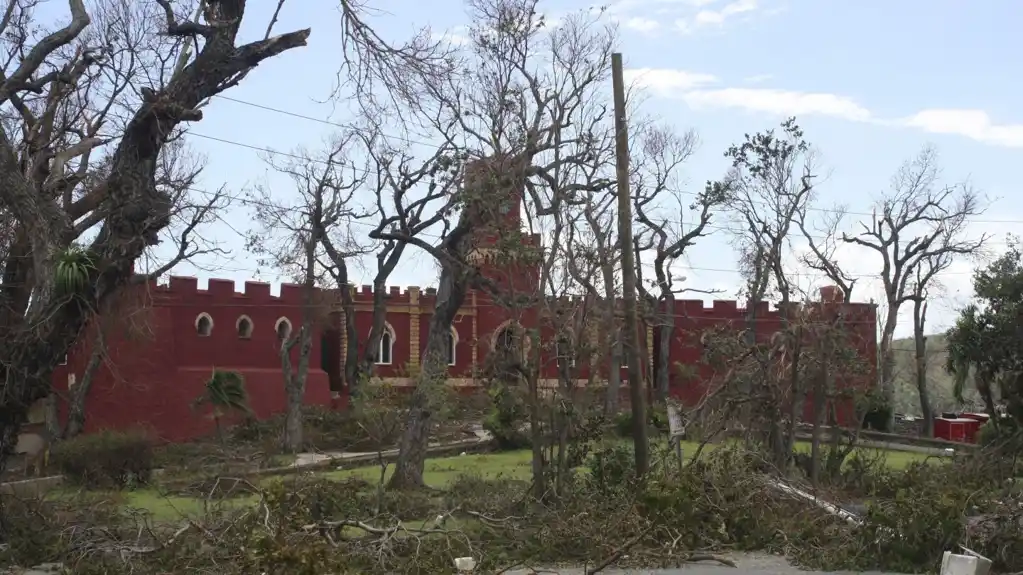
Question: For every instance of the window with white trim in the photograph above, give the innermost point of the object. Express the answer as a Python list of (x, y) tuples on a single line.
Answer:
[(505, 341), (204, 324), (283, 329), (244, 327), (385, 351), (451, 344)]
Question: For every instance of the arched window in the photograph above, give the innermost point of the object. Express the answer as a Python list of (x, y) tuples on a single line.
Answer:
[(504, 341), (385, 353), (283, 329), (244, 327), (452, 346), (204, 324)]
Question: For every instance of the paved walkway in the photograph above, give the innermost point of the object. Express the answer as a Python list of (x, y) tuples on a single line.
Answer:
[(307, 459), (746, 563)]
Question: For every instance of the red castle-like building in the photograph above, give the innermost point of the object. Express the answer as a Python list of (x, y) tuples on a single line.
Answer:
[(169, 338)]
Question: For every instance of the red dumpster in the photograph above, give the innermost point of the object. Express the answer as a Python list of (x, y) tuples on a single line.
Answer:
[(952, 428), (979, 419)]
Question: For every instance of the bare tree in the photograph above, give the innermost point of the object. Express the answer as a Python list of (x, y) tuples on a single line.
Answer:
[(514, 104), (919, 225), (772, 182), (661, 156), (46, 300), (384, 76), (296, 237), (822, 246)]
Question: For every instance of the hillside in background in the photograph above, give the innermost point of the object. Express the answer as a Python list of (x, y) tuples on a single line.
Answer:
[(907, 400)]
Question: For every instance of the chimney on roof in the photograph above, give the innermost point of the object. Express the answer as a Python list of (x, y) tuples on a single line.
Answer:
[(832, 294)]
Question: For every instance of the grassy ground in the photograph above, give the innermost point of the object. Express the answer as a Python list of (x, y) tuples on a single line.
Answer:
[(439, 473)]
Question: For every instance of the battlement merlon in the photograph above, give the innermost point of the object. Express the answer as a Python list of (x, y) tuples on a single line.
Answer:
[(187, 288)]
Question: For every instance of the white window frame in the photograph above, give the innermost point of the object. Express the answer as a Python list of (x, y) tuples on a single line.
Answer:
[(238, 327), (388, 331), (453, 347), (277, 329), (198, 321)]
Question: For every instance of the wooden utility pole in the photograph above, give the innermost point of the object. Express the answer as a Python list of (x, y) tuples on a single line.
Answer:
[(631, 344)]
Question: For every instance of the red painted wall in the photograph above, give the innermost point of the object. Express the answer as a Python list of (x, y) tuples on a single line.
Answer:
[(151, 379), (692, 318)]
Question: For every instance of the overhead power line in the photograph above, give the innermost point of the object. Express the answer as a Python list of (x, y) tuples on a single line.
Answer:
[(407, 140)]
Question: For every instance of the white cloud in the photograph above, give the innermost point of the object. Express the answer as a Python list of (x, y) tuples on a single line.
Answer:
[(717, 17), (974, 124), (695, 89), (780, 102), (757, 79), (643, 25), (666, 81), (457, 36), (689, 14)]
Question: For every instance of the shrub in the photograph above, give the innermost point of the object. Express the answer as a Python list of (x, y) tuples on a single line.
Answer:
[(657, 419), (877, 418), (506, 417), (911, 531), (46, 530), (612, 468), (324, 428), (493, 497), (108, 459), (1006, 438), (297, 500)]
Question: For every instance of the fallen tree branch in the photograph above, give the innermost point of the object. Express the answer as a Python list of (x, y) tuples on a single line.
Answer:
[(697, 557), (617, 554)]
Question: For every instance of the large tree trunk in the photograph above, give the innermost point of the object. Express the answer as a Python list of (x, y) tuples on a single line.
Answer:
[(294, 418), (887, 355), (135, 209), (408, 470), (295, 383), (362, 368), (294, 387), (920, 341), (352, 375), (666, 327), (79, 394)]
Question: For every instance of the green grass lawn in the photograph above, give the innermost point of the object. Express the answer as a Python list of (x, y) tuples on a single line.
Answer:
[(439, 473)]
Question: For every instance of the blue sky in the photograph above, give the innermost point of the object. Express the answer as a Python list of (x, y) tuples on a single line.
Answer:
[(871, 82)]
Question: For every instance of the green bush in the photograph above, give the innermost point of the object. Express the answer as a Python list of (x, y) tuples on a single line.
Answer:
[(109, 459), (612, 467), (324, 428), (657, 419), (297, 500), (910, 532), (1007, 438), (506, 417), (877, 419)]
